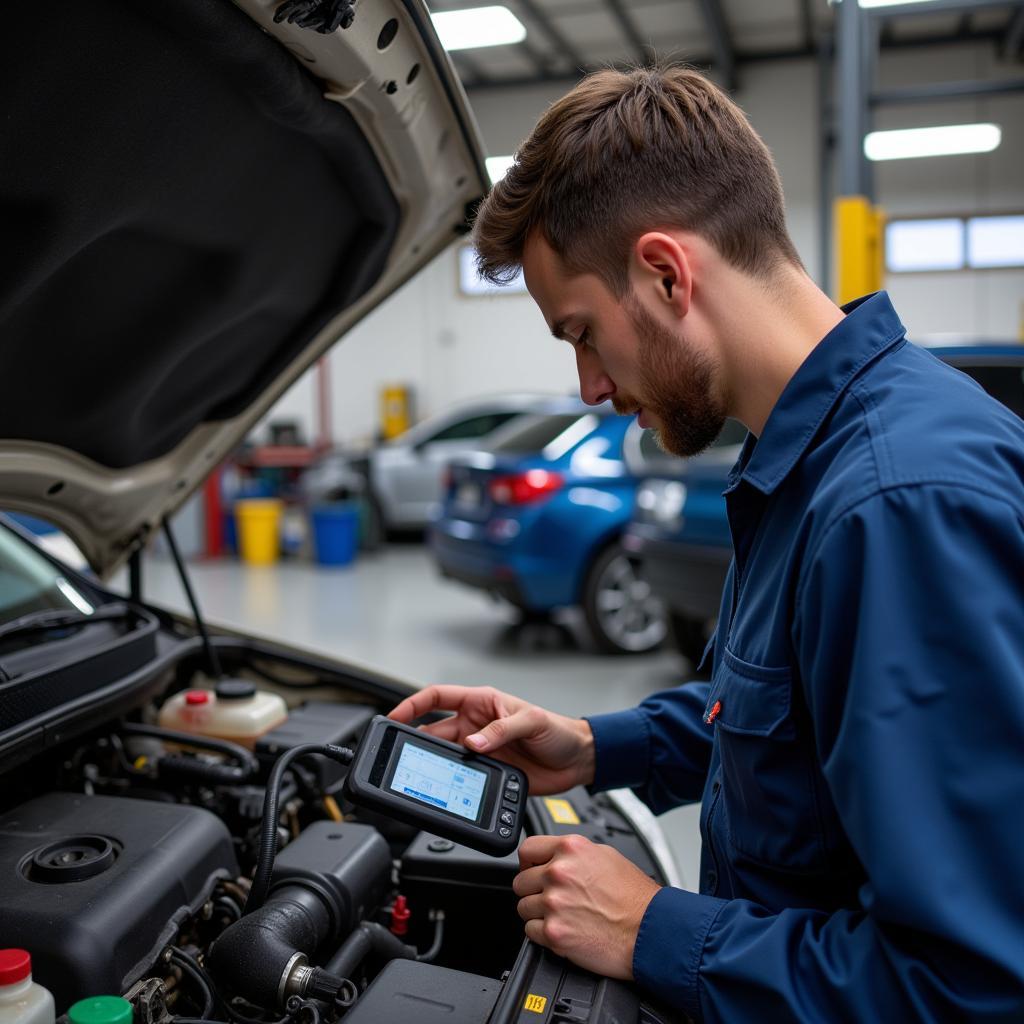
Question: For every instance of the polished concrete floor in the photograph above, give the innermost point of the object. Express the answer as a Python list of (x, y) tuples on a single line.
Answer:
[(392, 612)]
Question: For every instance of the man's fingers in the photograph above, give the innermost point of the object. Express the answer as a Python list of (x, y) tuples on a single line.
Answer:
[(528, 882), (531, 907), (527, 722), (535, 930), (537, 850), (446, 729), (431, 698)]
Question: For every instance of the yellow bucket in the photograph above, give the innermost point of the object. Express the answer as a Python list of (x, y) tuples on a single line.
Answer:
[(259, 529)]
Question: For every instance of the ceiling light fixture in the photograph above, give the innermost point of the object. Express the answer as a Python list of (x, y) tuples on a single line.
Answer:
[(478, 26), (890, 3), (948, 140), (497, 166)]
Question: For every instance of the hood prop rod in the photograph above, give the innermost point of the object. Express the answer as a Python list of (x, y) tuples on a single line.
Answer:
[(213, 662)]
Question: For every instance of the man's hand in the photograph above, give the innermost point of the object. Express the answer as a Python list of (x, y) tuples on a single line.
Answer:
[(556, 752), (583, 901)]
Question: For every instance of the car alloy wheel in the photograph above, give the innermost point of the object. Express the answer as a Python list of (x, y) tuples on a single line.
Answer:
[(624, 615)]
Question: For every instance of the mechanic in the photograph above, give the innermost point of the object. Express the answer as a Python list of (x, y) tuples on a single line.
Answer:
[(859, 749)]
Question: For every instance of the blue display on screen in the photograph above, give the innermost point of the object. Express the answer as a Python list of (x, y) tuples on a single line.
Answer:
[(439, 781)]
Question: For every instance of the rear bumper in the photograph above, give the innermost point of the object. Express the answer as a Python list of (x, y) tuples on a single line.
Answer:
[(525, 579), (505, 588), (688, 577)]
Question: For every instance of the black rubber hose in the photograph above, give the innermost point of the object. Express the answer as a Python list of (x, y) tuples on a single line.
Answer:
[(188, 966), (368, 938), (435, 946), (268, 825), (249, 957), (178, 766), (244, 758)]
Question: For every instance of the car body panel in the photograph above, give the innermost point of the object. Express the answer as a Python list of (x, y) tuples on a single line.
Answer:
[(425, 143), (407, 473), (537, 554)]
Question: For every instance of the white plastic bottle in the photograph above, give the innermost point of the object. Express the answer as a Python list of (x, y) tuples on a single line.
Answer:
[(22, 1001), (234, 711)]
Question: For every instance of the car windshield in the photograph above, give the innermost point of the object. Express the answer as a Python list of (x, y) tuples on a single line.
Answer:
[(539, 432), (477, 426), (30, 583)]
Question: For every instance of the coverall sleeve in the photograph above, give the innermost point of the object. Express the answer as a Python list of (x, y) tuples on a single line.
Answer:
[(660, 749), (909, 637)]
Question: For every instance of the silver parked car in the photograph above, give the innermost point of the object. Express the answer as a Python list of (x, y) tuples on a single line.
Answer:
[(403, 479)]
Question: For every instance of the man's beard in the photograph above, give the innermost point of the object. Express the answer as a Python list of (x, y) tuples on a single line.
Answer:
[(677, 388)]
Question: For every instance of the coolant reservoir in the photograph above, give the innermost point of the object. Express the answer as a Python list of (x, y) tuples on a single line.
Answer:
[(234, 711), (22, 1001)]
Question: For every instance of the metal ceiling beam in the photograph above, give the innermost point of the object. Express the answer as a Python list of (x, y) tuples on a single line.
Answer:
[(721, 42), (555, 34), (807, 24), (1014, 35), (994, 36), (933, 7), (947, 91), (629, 30), (540, 60), (471, 74)]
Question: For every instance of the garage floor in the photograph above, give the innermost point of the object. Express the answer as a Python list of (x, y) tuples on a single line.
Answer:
[(391, 611)]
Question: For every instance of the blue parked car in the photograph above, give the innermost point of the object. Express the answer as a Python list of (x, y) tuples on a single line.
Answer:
[(679, 538), (537, 518)]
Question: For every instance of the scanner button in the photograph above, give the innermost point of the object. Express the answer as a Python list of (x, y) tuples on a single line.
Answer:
[(504, 832), (507, 818), (512, 784), (512, 796)]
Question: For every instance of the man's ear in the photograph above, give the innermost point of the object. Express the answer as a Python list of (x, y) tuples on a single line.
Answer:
[(662, 269)]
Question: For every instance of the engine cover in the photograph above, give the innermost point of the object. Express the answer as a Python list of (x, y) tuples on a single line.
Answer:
[(95, 886)]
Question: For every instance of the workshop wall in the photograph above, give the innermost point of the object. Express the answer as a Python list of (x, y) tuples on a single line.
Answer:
[(449, 347)]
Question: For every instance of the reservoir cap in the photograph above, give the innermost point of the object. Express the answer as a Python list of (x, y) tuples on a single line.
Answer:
[(15, 966), (101, 1010), (235, 689), (194, 697)]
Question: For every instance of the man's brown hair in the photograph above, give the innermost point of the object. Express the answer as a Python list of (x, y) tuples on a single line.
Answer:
[(632, 151)]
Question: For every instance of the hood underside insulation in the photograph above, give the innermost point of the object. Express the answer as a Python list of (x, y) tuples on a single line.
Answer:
[(182, 211)]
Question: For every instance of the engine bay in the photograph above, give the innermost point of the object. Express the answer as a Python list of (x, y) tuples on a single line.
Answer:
[(127, 858)]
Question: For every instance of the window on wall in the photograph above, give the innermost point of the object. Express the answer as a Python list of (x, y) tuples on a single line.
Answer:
[(471, 283), (954, 243)]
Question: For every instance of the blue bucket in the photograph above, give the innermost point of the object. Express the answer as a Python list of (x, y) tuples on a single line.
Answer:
[(335, 533)]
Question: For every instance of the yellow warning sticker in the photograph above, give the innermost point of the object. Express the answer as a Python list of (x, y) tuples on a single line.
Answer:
[(561, 812), (535, 1004)]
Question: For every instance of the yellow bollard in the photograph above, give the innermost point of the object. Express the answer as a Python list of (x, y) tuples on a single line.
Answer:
[(859, 247)]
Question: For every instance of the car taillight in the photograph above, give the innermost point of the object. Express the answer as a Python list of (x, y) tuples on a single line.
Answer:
[(523, 488)]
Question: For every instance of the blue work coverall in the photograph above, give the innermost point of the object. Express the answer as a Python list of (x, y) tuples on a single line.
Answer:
[(860, 748)]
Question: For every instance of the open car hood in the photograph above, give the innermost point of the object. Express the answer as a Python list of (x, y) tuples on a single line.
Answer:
[(197, 203)]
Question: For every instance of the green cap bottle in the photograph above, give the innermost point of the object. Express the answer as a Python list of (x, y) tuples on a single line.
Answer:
[(101, 1010)]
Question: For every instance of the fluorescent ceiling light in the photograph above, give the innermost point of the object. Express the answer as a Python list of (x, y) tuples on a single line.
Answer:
[(497, 166), (908, 143), (889, 3), (478, 26)]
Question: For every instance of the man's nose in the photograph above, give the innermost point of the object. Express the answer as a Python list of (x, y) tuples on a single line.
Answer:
[(595, 385)]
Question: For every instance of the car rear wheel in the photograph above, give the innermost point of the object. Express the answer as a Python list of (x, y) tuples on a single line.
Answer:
[(622, 613)]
